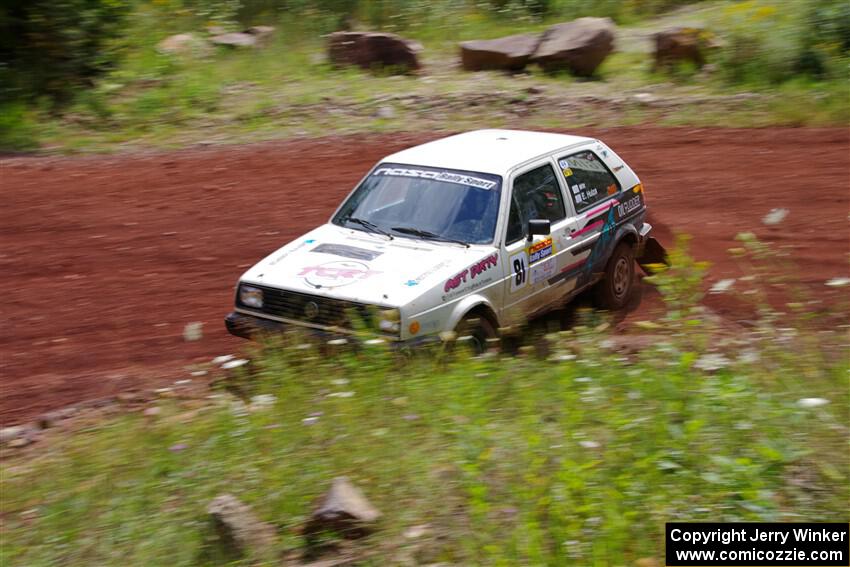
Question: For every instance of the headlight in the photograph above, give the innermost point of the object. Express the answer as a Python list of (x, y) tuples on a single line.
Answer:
[(390, 320), (251, 296)]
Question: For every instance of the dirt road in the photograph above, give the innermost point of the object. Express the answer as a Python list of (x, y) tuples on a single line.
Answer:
[(104, 260)]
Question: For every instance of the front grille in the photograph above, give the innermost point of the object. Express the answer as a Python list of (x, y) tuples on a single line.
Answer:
[(310, 309)]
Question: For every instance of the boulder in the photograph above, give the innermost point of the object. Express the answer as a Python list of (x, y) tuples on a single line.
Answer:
[(343, 509), (579, 46), (509, 53), (183, 44), (234, 40), (239, 530), (262, 34), (681, 44), (370, 50)]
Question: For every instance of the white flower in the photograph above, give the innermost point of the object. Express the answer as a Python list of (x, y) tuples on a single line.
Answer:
[(838, 282), (262, 401), (337, 342), (375, 342), (341, 395), (235, 363), (711, 362), (812, 402), (775, 216), (589, 444), (722, 286), (222, 359), (192, 331), (562, 357)]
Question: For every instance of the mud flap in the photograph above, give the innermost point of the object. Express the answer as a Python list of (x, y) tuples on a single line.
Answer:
[(653, 253)]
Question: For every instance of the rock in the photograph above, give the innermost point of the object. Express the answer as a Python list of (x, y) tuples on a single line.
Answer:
[(509, 53), (19, 442), (579, 46), (343, 509), (8, 434), (50, 419), (183, 44), (681, 44), (385, 112), (262, 34), (370, 50), (239, 529), (234, 40)]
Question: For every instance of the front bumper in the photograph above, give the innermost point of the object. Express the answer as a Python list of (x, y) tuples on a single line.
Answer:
[(251, 327), (248, 327)]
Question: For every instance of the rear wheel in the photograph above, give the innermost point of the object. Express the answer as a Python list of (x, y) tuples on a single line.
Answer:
[(477, 330), (615, 289)]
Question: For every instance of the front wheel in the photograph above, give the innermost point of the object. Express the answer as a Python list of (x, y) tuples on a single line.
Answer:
[(615, 289), (479, 331)]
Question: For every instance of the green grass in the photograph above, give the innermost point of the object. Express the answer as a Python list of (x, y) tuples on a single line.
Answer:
[(579, 457), (287, 89)]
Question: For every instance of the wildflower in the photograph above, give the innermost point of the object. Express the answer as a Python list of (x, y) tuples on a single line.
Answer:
[(263, 401), (375, 342), (838, 282), (722, 286), (192, 331), (338, 342), (178, 447), (562, 357), (775, 216), (341, 395), (587, 444), (711, 362), (310, 420), (219, 360), (235, 363), (812, 402)]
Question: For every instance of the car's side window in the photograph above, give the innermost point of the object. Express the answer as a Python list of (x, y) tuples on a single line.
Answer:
[(588, 179), (536, 195)]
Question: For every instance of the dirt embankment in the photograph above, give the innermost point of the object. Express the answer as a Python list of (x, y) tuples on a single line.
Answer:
[(105, 259)]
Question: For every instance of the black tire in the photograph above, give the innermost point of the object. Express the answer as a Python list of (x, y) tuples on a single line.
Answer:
[(479, 329), (617, 285)]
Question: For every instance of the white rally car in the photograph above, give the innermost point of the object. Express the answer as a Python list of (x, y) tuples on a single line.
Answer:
[(479, 231)]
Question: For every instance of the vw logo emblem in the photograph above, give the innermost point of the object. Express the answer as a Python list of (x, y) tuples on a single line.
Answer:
[(311, 309)]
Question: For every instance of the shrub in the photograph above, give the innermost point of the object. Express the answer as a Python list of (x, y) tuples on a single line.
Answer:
[(53, 47)]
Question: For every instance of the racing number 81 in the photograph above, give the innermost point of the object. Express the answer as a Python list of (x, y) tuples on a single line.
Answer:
[(519, 271)]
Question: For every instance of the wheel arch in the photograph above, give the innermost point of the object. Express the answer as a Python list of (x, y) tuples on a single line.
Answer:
[(476, 304)]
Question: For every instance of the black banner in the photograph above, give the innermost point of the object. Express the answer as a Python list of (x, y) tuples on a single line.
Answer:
[(761, 544)]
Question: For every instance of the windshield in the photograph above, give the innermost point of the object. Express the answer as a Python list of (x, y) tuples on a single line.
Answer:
[(424, 202)]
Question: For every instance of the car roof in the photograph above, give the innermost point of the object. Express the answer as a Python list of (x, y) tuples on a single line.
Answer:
[(485, 151)]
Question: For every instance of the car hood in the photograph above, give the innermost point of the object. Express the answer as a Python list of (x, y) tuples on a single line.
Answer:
[(364, 267)]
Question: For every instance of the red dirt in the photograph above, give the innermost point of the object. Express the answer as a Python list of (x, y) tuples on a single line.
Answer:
[(105, 259)]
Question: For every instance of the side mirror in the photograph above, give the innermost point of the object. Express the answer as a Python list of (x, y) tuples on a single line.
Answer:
[(539, 227)]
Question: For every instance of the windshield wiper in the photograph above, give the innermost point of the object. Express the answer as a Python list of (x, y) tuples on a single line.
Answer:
[(369, 225), (426, 234)]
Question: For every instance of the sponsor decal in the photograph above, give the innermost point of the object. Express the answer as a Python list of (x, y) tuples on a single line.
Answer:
[(540, 251), (542, 271), (347, 251), (627, 207), (421, 277), (586, 163), (444, 176), (286, 253), (461, 292), (612, 189), (618, 168), (414, 327), (471, 272), (335, 274)]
